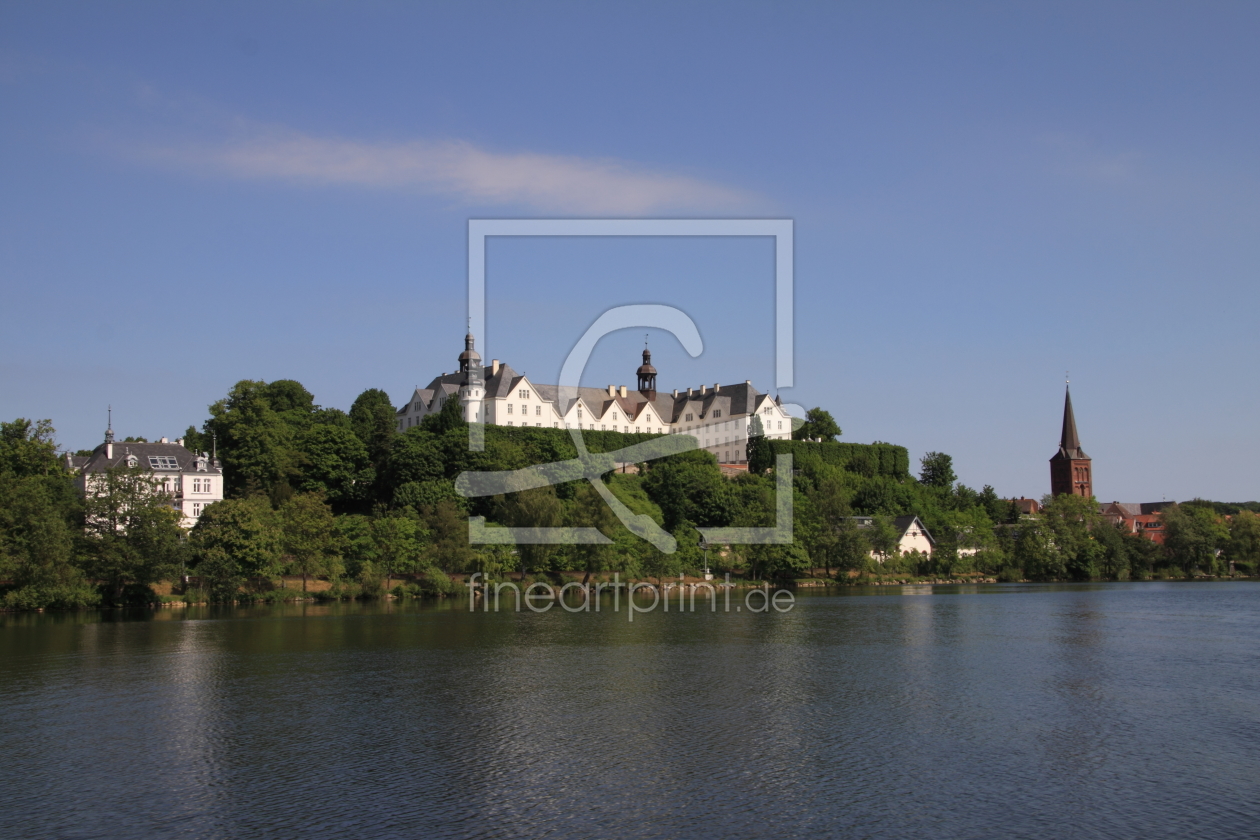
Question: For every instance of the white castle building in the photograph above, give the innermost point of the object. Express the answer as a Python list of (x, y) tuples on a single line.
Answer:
[(717, 417)]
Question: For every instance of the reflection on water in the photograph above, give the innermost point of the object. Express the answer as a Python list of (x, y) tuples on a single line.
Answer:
[(935, 711)]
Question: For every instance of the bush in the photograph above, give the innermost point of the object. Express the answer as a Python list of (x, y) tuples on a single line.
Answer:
[(439, 584), (51, 597), (1010, 574)]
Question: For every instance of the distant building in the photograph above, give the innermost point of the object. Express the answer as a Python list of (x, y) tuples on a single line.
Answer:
[(192, 480), (1144, 518), (912, 535), (718, 417), (1027, 507), (1071, 470)]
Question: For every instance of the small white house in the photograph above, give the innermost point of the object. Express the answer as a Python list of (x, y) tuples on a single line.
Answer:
[(912, 535)]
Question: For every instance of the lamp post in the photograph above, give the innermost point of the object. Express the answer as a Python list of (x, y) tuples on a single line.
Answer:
[(704, 546)]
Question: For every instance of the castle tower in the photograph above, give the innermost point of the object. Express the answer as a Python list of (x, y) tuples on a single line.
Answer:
[(647, 376), (1070, 468), (472, 388)]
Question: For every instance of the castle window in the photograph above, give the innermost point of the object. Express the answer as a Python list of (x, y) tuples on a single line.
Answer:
[(614, 415), (717, 413), (524, 394), (689, 418), (538, 411), (579, 412), (524, 409), (509, 405)]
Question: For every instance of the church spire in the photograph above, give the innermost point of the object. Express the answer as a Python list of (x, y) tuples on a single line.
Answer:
[(1070, 441), (1071, 471)]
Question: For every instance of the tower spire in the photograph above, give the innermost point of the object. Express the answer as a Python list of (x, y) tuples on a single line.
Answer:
[(109, 425), (1071, 471), (1069, 440)]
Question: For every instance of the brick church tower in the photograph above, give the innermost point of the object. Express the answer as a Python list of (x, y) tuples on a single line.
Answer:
[(1070, 470)]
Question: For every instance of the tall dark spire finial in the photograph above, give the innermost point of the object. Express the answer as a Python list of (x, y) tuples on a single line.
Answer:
[(109, 425), (1069, 440)]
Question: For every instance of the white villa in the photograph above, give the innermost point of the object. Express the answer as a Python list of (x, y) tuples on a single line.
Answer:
[(193, 481), (718, 417)]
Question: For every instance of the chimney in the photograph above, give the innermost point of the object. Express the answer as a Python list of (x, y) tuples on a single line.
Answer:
[(704, 389), (612, 390), (747, 381), (163, 440), (716, 387), (69, 460), (179, 441), (623, 390), (494, 367), (689, 392), (109, 449), (675, 393)]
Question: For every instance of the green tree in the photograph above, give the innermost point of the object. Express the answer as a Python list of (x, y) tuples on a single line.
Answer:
[(255, 441), (132, 531), (37, 544), (333, 461), (589, 510), (28, 448), (882, 536), (759, 452), (448, 537), (1194, 537), (309, 537), (937, 470), (399, 538), (689, 487), (819, 425), (374, 421), (1244, 542), (535, 508), (237, 542), (450, 416)]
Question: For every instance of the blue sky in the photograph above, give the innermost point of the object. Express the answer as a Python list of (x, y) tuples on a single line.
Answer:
[(984, 195)]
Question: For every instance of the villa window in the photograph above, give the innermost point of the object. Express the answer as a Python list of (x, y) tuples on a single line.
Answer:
[(524, 394), (509, 405), (524, 409), (538, 411), (614, 415)]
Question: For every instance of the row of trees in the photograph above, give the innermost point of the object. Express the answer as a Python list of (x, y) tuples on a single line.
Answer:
[(320, 492)]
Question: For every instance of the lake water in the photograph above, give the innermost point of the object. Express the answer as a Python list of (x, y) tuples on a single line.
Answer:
[(1004, 711)]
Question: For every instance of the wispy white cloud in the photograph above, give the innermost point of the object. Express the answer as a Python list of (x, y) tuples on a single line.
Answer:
[(460, 170)]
